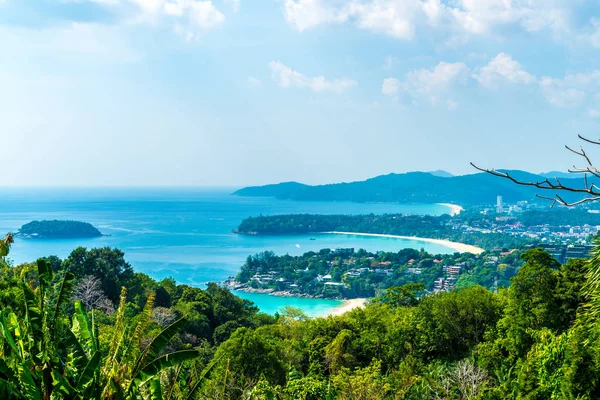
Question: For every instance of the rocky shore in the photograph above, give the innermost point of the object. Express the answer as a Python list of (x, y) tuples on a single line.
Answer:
[(234, 285)]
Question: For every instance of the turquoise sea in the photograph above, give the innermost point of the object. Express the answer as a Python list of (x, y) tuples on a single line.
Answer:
[(186, 233)]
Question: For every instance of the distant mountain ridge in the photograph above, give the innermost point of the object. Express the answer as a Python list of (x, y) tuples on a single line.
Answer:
[(441, 173), (559, 175), (419, 187)]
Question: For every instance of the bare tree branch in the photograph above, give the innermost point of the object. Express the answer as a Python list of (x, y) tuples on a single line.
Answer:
[(589, 189), (588, 140)]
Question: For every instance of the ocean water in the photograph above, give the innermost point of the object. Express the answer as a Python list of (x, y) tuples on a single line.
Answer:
[(187, 233)]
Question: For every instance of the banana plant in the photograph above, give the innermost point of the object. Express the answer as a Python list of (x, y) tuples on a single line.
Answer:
[(42, 357), (31, 355), (131, 371)]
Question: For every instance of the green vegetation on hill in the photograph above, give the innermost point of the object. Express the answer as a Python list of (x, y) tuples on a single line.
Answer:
[(415, 187), (58, 230), (538, 339), (89, 327), (442, 227)]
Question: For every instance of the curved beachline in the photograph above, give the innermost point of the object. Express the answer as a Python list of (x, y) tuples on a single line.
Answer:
[(455, 209), (348, 305), (460, 247)]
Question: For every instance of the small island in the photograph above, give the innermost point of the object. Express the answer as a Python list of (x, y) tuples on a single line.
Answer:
[(58, 230)]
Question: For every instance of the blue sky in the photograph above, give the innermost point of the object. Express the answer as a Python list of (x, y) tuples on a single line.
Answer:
[(239, 92)]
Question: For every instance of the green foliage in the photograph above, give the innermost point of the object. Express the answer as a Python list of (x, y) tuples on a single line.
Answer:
[(538, 339), (105, 263), (5, 245), (532, 304), (42, 357), (403, 296)]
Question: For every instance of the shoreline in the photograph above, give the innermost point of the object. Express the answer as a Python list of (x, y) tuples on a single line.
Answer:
[(349, 305), (460, 247), (455, 209), (272, 292), (346, 306)]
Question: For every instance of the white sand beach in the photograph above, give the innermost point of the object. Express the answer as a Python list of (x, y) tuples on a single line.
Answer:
[(460, 247), (455, 209), (347, 306)]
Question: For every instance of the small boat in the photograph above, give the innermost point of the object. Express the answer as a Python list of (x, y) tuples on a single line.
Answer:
[(312, 239)]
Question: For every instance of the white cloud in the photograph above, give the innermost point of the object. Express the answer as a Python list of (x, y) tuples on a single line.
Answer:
[(389, 62), (253, 82), (235, 4), (188, 17), (394, 18), (564, 93), (429, 84), (389, 17), (571, 91), (402, 18), (480, 16), (435, 85), (432, 83), (594, 113), (287, 77), (502, 68), (305, 14), (451, 104), (199, 14), (593, 36), (390, 86)]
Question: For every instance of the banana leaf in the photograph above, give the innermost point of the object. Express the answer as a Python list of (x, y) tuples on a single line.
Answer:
[(34, 316), (62, 386), (159, 342), (90, 370), (155, 389), (83, 328), (44, 274), (28, 386), (72, 345), (5, 327), (196, 386), (64, 293), (160, 364)]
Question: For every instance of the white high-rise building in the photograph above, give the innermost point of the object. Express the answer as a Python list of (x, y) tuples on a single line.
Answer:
[(499, 205)]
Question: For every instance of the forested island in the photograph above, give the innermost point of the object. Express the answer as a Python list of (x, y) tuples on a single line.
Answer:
[(346, 274), (56, 229)]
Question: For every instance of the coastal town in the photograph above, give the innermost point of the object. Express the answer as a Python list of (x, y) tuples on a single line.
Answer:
[(348, 273), (569, 229)]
